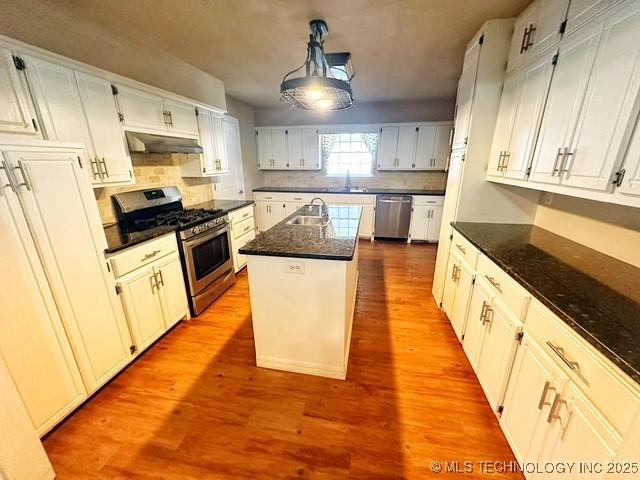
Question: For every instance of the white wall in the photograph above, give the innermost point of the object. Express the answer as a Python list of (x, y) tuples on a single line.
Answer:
[(607, 228)]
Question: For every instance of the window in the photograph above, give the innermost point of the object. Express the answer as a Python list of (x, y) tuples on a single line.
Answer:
[(349, 152)]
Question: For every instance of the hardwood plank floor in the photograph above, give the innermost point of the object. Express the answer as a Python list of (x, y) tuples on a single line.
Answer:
[(195, 406)]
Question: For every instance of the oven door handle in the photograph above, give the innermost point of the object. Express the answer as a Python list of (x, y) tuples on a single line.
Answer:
[(205, 236)]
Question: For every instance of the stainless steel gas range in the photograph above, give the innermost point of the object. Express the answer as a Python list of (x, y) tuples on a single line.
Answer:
[(203, 237)]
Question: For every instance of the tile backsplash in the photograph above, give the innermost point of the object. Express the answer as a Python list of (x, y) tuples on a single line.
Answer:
[(156, 170), (417, 180)]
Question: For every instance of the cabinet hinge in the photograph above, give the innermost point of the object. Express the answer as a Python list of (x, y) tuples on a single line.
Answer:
[(528, 172), (114, 89), (120, 117), (35, 124), (519, 337), (563, 26), (440, 304), (617, 181), (481, 39), (554, 60), (451, 236), (80, 161), (197, 113), (133, 349), (473, 281), (19, 63), (108, 267), (501, 409), (118, 290), (130, 174), (417, 129), (462, 337)]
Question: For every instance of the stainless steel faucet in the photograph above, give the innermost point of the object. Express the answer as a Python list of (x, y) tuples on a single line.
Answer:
[(317, 198)]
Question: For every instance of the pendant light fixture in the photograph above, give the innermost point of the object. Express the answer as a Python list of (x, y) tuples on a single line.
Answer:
[(323, 82)]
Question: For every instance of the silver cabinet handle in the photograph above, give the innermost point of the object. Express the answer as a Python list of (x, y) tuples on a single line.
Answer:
[(161, 278), (560, 352), (567, 160), (104, 167), (524, 40), (483, 312), (543, 397), (461, 248), (487, 311), (246, 215), (95, 168), (150, 255), (500, 157), (453, 272), (25, 178), (505, 160), (170, 119), (154, 281), (7, 171), (494, 283), (553, 411), (555, 164), (528, 42)]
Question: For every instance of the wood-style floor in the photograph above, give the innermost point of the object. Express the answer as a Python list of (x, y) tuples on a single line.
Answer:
[(195, 406)]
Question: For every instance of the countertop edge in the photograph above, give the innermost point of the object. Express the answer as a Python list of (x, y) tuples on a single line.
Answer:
[(372, 191), (566, 318)]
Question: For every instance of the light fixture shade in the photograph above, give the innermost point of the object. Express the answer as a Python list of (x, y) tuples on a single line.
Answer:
[(323, 82)]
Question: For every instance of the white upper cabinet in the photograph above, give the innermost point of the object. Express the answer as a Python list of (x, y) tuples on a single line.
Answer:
[(303, 148), (181, 117), (630, 181), (406, 147), (140, 109), (466, 91), (110, 162), (55, 94), (537, 28), (213, 159), (16, 115), (610, 106), (220, 161), (414, 147), (563, 104), (388, 148), (521, 107), (425, 148), (272, 148), (581, 11), (56, 197)]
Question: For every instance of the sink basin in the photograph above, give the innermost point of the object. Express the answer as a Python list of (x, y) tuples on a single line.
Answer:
[(347, 190), (309, 221)]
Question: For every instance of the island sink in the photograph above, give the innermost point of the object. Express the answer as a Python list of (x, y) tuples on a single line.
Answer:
[(309, 220)]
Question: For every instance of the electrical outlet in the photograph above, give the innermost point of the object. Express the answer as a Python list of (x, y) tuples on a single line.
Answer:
[(547, 198)]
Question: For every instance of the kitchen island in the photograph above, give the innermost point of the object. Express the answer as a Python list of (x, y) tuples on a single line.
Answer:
[(303, 276)]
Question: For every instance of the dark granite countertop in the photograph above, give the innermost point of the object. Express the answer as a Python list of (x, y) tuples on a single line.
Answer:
[(336, 241), (595, 294), (364, 191), (118, 238)]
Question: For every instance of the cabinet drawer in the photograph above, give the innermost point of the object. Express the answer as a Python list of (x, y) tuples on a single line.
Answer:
[(516, 297), (241, 214), (239, 259), (147, 252), (428, 200), (243, 227), (609, 390), (465, 249)]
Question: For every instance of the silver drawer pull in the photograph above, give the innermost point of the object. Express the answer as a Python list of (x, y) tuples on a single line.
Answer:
[(247, 228), (543, 397), (25, 178), (161, 282), (150, 255), (246, 215), (555, 406), (494, 283), (560, 352), (461, 248)]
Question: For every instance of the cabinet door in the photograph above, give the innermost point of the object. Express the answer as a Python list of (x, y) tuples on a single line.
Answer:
[(388, 148), (111, 162), (220, 159), (205, 127), (57, 101), (406, 148), (425, 148), (546, 28), (231, 186), (631, 181), (522, 25), (611, 104), (474, 335), (294, 148), (265, 153), (173, 296), (310, 149), (533, 92), (141, 302), (278, 211), (279, 148), (464, 100), (435, 221), (497, 352), (578, 433), (239, 260), (33, 342), (511, 90), (57, 201), (443, 147), (420, 218), (16, 116), (367, 221), (460, 308), (182, 117), (563, 104), (141, 110), (263, 216), (450, 283), (533, 383), (581, 11)]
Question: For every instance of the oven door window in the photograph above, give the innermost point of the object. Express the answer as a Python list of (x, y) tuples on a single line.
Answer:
[(210, 255)]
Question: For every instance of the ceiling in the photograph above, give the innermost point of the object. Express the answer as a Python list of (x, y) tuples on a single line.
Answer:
[(401, 49)]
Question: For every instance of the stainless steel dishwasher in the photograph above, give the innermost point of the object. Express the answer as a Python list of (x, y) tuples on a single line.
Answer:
[(393, 216)]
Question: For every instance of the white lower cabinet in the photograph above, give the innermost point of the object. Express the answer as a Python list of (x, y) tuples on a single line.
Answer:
[(426, 217), (153, 295), (457, 292), (243, 230), (269, 213)]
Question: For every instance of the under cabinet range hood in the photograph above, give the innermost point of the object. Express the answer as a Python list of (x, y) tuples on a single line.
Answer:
[(148, 143)]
